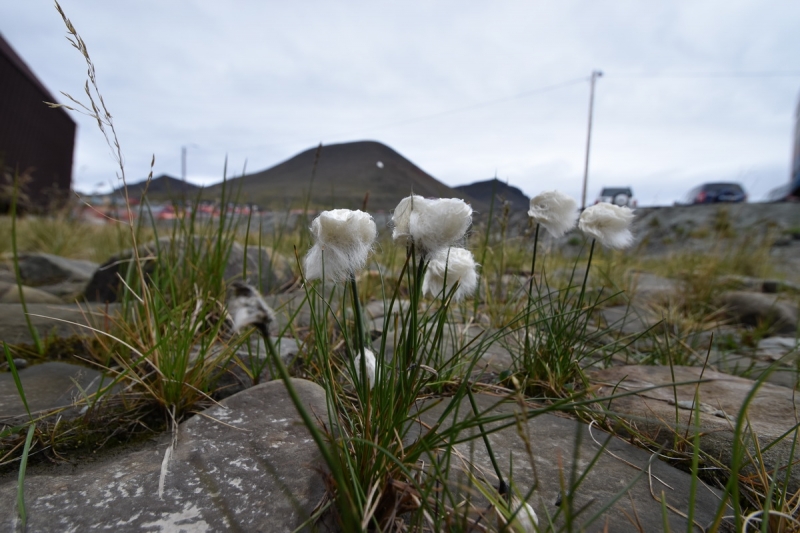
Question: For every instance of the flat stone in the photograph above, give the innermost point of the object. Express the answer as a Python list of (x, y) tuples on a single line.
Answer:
[(628, 320), (757, 309), (9, 294), (781, 371), (377, 308), (66, 290), (269, 271), (46, 269), (19, 364), (47, 386), (254, 356), (771, 413), (7, 275), (647, 289), (49, 320), (776, 348), (291, 310), (248, 464), (466, 340), (553, 441)]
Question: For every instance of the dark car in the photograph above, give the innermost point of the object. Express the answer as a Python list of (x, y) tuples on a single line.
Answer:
[(712, 193)]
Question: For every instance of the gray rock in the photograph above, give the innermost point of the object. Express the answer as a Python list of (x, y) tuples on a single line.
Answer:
[(776, 348), (377, 309), (246, 465), (252, 364), (772, 358), (47, 386), (67, 291), (7, 274), (9, 294), (757, 309), (49, 320), (740, 283), (771, 413), (291, 310), (648, 289), (749, 283), (267, 270), (554, 441), (751, 368), (628, 320), (741, 217), (19, 364), (46, 269), (466, 340)]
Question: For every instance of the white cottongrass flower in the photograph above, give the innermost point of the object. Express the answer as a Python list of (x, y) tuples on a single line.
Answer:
[(431, 224), (343, 240), (369, 361), (246, 307), (451, 265), (401, 217), (525, 521), (609, 224), (555, 211)]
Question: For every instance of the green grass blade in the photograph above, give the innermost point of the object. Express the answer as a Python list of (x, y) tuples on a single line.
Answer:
[(17, 381), (23, 465), (37, 341)]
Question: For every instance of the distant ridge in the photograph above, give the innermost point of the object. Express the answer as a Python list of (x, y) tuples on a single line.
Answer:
[(482, 192), (343, 176), (161, 188)]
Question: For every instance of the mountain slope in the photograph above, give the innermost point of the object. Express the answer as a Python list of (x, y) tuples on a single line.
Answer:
[(482, 191), (343, 175), (161, 188)]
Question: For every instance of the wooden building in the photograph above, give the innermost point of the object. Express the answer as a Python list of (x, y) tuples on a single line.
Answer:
[(35, 140)]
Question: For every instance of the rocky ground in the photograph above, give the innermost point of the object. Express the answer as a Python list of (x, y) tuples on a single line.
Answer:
[(248, 464)]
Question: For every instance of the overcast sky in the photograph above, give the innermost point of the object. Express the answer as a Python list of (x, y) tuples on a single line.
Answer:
[(692, 91)]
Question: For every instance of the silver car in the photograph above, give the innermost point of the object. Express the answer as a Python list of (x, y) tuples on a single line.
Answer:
[(621, 196)]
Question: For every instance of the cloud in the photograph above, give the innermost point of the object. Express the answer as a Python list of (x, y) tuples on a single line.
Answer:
[(260, 82)]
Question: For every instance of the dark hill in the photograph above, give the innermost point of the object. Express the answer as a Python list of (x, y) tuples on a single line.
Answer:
[(343, 175), (482, 191), (163, 187)]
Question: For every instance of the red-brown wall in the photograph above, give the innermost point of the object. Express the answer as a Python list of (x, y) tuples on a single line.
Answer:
[(33, 137)]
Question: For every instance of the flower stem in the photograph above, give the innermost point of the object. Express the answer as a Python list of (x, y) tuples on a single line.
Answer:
[(364, 381), (586, 275), (495, 466), (530, 295), (358, 318)]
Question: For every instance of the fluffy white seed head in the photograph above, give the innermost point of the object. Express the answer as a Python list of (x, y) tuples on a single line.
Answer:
[(246, 307), (401, 217), (555, 211), (342, 242), (369, 360), (525, 521), (439, 223), (451, 265), (432, 224), (609, 224)]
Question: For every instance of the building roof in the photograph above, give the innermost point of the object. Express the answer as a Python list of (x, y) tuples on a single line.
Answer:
[(9, 53)]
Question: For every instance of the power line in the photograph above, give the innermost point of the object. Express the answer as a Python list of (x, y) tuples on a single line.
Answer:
[(532, 92), (701, 75), (478, 105)]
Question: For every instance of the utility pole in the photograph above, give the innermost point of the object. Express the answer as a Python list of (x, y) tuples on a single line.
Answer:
[(183, 163), (595, 74)]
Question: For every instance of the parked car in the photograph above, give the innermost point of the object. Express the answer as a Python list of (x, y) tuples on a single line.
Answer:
[(622, 196), (712, 193)]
